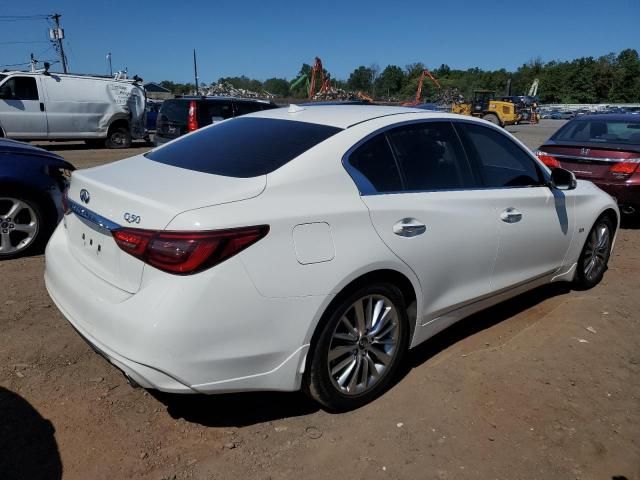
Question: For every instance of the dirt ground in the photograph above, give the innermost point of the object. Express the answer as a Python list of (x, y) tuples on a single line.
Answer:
[(545, 386)]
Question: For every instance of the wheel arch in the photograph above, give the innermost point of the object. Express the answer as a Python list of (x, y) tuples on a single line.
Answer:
[(119, 120), (409, 288), (44, 201)]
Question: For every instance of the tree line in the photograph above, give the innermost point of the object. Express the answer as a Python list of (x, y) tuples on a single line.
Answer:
[(612, 78)]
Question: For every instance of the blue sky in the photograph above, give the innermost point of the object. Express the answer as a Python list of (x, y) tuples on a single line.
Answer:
[(273, 39)]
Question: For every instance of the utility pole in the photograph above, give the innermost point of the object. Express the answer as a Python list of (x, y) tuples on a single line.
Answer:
[(195, 69), (58, 36)]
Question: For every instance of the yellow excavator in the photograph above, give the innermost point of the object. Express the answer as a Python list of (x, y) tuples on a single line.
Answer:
[(485, 106)]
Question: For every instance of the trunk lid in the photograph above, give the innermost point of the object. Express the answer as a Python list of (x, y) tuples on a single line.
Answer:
[(138, 193), (588, 163)]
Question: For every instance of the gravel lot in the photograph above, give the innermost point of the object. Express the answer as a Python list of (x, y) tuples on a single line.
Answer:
[(545, 386)]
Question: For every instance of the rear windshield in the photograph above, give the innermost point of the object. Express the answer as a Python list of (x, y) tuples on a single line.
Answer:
[(175, 110), (600, 131), (243, 147)]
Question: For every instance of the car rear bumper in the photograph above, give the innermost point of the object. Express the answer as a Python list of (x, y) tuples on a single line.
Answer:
[(160, 140), (208, 333), (625, 194)]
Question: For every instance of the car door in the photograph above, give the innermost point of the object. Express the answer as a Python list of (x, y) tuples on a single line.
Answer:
[(535, 222), (419, 188), (22, 111)]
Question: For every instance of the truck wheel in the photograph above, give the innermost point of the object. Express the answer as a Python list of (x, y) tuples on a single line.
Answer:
[(118, 137), (493, 118)]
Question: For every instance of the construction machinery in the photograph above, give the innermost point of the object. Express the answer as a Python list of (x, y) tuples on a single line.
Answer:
[(417, 101), (316, 76), (484, 105)]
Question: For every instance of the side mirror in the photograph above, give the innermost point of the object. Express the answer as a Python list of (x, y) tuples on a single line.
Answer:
[(562, 179)]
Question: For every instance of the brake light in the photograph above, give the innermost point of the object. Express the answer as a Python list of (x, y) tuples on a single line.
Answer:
[(192, 121), (549, 160), (624, 168), (184, 253)]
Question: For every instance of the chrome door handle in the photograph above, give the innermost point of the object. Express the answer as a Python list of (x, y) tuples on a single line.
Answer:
[(510, 215), (409, 227)]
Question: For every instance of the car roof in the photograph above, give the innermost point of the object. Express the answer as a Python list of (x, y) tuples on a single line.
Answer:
[(345, 116), (221, 97), (621, 117)]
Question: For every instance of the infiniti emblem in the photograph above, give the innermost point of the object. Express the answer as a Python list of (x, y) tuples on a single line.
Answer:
[(85, 196)]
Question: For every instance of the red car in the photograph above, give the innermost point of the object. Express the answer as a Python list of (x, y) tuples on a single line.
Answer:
[(604, 149)]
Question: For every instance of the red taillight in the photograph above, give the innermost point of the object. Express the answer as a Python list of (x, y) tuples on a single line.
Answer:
[(549, 160), (192, 120), (623, 168), (186, 252)]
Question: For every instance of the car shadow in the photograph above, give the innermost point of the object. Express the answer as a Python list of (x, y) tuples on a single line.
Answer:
[(236, 409), (244, 409), (481, 321), (28, 448), (630, 222)]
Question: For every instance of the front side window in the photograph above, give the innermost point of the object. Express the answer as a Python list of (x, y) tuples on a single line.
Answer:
[(430, 157), (500, 161), (19, 88), (373, 168)]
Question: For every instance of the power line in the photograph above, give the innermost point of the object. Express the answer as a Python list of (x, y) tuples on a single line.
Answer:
[(21, 18), (26, 42)]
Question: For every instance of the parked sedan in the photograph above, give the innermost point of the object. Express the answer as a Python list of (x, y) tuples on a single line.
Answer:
[(312, 247), (604, 149), (31, 185)]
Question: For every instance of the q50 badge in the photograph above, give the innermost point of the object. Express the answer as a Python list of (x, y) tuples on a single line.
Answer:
[(131, 218)]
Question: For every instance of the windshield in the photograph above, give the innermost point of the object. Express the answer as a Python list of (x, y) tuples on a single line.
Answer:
[(243, 147), (600, 131)]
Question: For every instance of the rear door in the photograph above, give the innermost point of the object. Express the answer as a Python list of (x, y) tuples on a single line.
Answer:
[(535, 223), (22, 108), (213, 111), (172, 119), (420, 191)]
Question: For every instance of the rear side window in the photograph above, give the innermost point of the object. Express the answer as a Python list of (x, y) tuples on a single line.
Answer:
[(213, 111), (373, 167), (501, 162), (175, 110), (430, 157), (19, 88), (243, 147)]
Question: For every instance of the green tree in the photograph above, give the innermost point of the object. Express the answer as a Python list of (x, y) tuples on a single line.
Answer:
[(626, 78), (276, 86), (361, 79), (390, 81)]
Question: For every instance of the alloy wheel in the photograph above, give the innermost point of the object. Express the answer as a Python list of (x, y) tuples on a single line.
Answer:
[(597, 251), (18, 225), (363, 345)]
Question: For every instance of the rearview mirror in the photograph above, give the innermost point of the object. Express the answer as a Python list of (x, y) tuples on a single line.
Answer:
[(562, 179)]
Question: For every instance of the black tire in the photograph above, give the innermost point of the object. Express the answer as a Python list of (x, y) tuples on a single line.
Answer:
[(594, 257), (318, 381), (43, 227), (493, 118), (118, 137)]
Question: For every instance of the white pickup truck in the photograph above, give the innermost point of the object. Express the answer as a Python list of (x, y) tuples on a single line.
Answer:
[(52, 106)]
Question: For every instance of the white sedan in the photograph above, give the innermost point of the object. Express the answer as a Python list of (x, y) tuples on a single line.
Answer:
[(311, 247)]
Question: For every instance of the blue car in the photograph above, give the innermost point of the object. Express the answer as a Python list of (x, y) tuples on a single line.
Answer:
[(32, 181)]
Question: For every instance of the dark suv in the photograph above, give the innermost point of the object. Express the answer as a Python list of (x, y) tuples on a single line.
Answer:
[(179, 116)]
